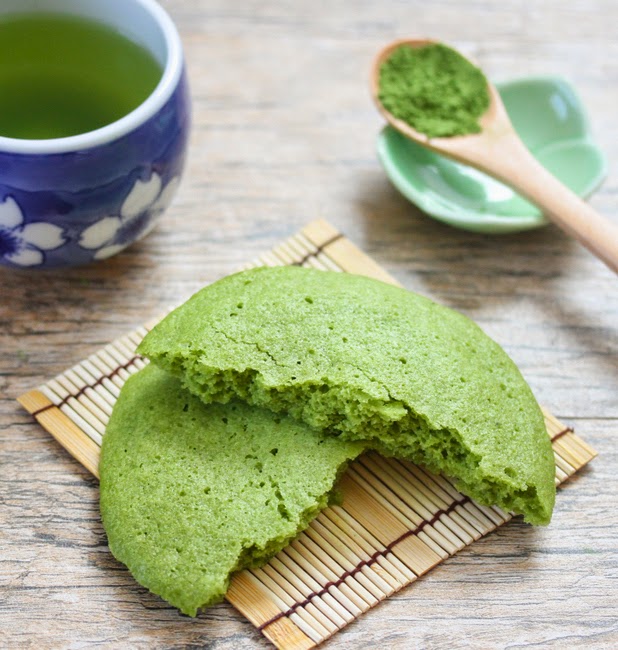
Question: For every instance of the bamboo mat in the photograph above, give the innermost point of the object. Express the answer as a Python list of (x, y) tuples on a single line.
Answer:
[(396, 522)]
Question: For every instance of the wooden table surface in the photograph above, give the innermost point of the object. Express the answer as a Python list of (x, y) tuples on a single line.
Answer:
[(284, 132)]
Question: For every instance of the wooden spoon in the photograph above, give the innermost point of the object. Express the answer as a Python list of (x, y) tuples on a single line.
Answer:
[(498, 151)]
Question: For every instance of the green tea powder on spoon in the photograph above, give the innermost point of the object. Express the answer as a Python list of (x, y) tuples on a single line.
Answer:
[(434, 89)]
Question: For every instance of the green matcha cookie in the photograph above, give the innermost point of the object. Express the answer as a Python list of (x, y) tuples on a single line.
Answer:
[(191, 493), (372, 362)]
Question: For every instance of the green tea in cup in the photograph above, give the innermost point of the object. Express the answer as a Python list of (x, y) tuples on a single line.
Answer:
[(63, 75), (94, 123)]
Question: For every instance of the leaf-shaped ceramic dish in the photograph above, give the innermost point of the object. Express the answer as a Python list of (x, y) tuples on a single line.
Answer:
[(550, 119)]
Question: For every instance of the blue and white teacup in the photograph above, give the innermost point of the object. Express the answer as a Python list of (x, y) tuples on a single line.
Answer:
[(74, 200)]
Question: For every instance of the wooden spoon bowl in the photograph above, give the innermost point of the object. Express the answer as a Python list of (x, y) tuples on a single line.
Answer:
[(498, 151)]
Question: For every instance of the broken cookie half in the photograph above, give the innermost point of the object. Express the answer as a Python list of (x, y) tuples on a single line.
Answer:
[(192, 493), (368, 361)]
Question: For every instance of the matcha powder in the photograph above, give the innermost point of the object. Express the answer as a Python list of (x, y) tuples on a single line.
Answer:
[(434, 89)]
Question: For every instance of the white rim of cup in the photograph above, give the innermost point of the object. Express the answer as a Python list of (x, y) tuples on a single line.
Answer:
[(147, 109)]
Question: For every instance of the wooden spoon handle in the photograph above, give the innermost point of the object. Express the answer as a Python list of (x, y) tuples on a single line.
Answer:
[(518, 168)]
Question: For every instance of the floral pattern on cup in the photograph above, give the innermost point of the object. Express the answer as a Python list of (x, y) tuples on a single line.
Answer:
[(145, 201), (25, 244)]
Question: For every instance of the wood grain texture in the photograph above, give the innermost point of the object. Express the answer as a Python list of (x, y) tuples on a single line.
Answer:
[(283, 132)]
